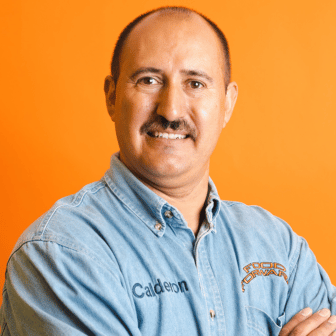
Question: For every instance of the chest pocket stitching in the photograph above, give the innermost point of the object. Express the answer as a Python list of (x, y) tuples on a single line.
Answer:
[(257, 314)]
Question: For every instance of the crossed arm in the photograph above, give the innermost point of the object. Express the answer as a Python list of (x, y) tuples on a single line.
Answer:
[(55, 313)]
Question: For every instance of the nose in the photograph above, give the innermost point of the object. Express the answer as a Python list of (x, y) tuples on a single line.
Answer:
[(171, 104)]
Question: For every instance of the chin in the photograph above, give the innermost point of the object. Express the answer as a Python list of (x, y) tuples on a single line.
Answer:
[(165, 168)]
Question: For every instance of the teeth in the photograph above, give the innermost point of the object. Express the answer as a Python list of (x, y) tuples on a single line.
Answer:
[(169, 135)]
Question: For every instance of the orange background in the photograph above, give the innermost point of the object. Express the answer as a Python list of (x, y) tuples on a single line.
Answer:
[(278, 150)]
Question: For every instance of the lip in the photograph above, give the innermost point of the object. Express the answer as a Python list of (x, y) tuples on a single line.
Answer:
[(167, 135)]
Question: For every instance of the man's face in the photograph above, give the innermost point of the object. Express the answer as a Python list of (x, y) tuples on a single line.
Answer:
[(170, 102)]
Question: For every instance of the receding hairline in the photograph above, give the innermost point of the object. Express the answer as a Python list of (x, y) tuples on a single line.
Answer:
[(169, 11), (164, 13)]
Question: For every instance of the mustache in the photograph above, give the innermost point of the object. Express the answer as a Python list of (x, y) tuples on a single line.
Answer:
[(159, 123)]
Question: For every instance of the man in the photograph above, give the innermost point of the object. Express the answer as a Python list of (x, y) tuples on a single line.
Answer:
[(150, 249)]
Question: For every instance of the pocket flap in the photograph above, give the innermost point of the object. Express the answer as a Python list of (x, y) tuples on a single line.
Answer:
[(263, 323)]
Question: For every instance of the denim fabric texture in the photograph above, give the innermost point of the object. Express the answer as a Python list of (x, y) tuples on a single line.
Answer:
[(116, 259)]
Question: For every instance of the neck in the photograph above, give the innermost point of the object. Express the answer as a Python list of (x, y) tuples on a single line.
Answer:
[(188, 198)]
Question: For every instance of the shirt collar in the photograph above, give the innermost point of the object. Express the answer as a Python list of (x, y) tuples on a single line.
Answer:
[(145, 204)]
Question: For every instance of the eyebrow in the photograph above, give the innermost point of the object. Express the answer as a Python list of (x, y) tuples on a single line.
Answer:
[(143, 70), (158, 71), (197, 73)]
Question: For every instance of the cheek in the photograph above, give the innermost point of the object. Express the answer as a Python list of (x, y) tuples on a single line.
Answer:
[(210, 119), (135, 109), (126, 116)]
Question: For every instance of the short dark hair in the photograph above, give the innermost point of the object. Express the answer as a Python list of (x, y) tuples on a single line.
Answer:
[(115, 64)]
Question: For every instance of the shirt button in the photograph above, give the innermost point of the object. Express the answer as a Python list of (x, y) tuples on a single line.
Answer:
[(212, 314), (168, 214), (158, 226)]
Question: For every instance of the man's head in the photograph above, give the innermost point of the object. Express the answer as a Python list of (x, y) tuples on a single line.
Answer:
[(170, 100), (115, 64)]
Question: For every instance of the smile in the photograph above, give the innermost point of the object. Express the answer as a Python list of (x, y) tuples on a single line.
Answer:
[(172, 136)]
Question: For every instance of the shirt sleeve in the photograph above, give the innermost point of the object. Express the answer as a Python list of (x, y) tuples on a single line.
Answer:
[(309, 283), (51, 289)]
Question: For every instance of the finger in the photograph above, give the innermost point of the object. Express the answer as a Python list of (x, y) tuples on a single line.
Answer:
[(296, 319), (311, 323), (326, 328)]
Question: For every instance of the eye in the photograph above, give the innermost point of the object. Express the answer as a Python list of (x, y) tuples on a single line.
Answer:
[(196, 84), (147, 81)]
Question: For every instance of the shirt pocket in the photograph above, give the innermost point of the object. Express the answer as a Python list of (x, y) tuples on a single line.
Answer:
[(259, 323)]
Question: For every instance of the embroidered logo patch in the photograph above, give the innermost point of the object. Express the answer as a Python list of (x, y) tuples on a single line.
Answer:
[(263, 269)]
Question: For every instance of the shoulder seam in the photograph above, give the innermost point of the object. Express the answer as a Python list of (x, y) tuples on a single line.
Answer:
[(76, 202), (231, 203), (72, 248)]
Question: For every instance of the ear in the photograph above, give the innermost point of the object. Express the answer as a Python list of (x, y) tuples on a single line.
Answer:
[(230, 101), (110, 94)]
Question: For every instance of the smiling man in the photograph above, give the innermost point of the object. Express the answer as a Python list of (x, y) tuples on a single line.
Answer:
[(150, 249), (170, 104)]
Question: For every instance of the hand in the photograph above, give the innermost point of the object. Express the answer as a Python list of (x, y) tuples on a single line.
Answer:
[(304, 323)]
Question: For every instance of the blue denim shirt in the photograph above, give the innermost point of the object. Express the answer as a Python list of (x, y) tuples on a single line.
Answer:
[(116, 259)]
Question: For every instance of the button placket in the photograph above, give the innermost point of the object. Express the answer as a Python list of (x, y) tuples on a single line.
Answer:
[(212, 296)]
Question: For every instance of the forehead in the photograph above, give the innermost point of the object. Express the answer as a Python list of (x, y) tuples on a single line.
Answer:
[(175, 39)]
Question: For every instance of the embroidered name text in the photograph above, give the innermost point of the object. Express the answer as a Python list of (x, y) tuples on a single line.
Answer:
[(151, 290)]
